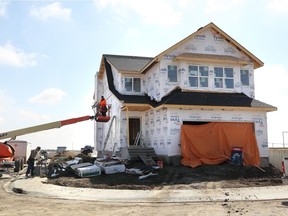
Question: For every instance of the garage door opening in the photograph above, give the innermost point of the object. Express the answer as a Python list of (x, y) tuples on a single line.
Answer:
[(211, 142), (194, 123)]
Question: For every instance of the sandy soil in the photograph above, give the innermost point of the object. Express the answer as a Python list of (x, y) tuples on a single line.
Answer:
[(180, 177), (19, 204)]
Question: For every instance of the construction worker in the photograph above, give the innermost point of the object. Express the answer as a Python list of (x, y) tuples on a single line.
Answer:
[(103, 106), (31, 161)]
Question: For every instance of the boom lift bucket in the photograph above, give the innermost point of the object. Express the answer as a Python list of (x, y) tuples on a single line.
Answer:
[(98, 116)]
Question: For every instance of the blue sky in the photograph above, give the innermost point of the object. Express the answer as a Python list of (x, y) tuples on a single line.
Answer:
[(51, 50)]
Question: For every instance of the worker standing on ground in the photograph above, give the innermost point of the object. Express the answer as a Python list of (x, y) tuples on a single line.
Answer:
[(103, 106), (31, 161)]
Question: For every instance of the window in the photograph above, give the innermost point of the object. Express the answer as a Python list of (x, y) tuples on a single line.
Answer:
[(172, 73), (244, 77), (132, 84), (198, 76), (224, 77), (218, 77), (229, 78)]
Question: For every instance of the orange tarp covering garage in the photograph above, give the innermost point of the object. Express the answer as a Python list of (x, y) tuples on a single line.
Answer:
[(211, 143)]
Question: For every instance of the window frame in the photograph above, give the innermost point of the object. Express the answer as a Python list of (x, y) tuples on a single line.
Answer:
[(172, 79), (222, 76), (133, 90), (242, 78), (198, 76)]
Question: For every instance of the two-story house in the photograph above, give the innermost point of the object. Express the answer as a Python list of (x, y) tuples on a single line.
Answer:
[(194, 101)]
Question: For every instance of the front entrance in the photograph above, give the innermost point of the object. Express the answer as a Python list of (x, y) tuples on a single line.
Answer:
[(134, 129)]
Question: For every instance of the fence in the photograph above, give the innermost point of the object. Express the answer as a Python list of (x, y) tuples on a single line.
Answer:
[(276, 156)]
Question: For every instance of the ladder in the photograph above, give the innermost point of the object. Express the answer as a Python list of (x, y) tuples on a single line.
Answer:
[(108, 133), (137, 138)]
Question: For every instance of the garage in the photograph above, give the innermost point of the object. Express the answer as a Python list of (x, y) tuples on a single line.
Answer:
[(211, 142)]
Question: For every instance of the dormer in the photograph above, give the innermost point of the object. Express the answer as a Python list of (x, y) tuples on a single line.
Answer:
[(127, 78)]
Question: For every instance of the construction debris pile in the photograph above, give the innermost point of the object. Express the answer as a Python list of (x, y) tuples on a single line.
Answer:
[(87, 171), (65, 165)]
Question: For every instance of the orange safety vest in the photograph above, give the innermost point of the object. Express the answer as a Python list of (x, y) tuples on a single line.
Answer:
[(102, 104)]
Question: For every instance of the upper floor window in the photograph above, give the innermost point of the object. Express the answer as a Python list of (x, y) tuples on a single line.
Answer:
[(132, 84), (244, 74), (172, 73), (198, 76), (224, 77)]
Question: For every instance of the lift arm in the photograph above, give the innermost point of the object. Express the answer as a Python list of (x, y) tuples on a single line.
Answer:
[(57, 124)]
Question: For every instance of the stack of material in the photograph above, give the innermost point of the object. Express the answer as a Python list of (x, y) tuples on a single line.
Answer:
[(110, 166), (86, 169)]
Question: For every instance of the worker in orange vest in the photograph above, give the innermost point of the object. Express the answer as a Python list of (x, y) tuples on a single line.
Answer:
[(103, 106)]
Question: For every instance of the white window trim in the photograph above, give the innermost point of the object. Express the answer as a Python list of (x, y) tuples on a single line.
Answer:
[(176, 73), (132, 91), (199, 76), (224, 77)]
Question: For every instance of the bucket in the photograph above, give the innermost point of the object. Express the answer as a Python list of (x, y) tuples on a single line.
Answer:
[(160, 164)]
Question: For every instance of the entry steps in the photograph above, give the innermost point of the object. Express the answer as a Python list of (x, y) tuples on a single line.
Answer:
[(142, 153)]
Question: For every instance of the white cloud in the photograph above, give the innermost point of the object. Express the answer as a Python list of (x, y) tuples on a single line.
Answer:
[(10, 55), (54, 10), (213, 6), (160, 12), (48, 96), (277, 6), (31, 116), (3, 7)]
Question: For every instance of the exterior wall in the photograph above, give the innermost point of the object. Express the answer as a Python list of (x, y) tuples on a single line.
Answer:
[(162, 129), (124, 125), (117, 80), (155, 131), (153, 82), (102, 128), (156, 79)]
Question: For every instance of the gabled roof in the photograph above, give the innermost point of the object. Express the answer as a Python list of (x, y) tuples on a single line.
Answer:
[(137, 64), (257, 62), (128, 63), (125, 64), (180, 98)]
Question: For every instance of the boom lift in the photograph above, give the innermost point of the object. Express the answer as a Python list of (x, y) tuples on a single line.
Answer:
[(7, 151)]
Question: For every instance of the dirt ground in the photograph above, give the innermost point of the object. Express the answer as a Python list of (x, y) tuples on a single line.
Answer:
[(178, 177), (224, 175), (19, 204)]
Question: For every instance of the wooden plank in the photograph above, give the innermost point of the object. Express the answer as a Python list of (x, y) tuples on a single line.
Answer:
[(147, 160)]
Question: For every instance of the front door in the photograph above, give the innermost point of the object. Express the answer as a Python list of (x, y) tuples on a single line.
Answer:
[(134, 128)]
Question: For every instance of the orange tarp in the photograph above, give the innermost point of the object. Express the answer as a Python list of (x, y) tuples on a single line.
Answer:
[(211, 143)]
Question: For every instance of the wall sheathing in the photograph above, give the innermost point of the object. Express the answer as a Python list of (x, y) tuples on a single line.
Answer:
[(169, 120), (101, 128), (161, 127), (158, 85), (117, 80)]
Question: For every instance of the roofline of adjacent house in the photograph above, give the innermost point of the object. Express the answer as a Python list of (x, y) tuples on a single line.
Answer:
[(228, 38)]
